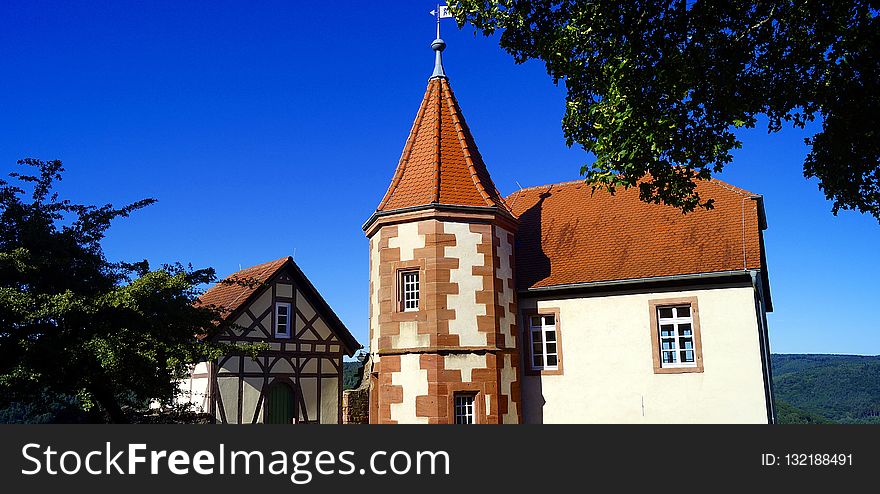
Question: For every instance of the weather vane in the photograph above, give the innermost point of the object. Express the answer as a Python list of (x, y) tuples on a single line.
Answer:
[(442, 12), (439, 45)]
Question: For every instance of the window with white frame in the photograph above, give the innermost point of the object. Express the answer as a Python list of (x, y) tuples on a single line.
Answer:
[(282, 320), (676, 326), (464, 408), (409, 290), (545, 350)]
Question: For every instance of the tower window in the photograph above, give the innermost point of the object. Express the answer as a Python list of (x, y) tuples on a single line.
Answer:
[(282, 320), (464, 408), (409, 290)]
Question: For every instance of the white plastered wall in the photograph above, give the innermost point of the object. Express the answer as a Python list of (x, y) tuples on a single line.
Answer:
[(408, 239), (608, 364), (466, 363), (508, 377), (414, 381), (194, 390), (329, 400), (465, 301), (504, 272)]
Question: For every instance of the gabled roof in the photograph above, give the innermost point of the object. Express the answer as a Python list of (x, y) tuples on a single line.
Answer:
[(240, 288), (571, 235), (237, 288), (440, 163)]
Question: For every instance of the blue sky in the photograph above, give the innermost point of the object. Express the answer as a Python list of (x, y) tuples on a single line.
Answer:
[(267, 128)]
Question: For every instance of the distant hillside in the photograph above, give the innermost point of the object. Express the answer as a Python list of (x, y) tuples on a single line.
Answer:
[(789, 414), (351, 374), (826, 388)]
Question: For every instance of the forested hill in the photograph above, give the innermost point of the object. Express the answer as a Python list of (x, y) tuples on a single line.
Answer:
[(817, 388)]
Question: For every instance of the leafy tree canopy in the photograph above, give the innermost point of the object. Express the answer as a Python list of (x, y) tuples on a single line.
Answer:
[(656, 89), (73, 324)]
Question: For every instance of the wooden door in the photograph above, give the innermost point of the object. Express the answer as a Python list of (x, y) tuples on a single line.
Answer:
[(279, 404)]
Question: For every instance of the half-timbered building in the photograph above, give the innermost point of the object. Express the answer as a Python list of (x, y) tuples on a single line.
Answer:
[(298, 379)]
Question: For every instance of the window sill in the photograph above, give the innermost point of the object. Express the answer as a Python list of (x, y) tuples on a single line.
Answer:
[(418, 315), (678, 370), (543, 372)]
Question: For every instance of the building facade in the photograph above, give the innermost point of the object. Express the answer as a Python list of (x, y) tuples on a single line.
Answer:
[(298, 379), (558, 304)]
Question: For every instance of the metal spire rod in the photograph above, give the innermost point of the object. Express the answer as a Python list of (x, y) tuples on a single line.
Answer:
[(438, 46)]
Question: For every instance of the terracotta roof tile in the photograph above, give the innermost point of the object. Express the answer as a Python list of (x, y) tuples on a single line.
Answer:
[(568, 234), (230, 293), (440, 163), (239, 287)]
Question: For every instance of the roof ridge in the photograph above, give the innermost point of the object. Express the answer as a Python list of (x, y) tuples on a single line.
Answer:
[(438, 132), (263, 268), (454, 111), (715, 181), (533, 187), (730, 187)]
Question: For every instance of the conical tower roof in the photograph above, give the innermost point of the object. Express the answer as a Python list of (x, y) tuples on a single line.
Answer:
[(440, 163)]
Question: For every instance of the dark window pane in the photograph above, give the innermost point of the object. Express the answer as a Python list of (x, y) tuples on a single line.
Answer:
[(550, 320), (551, 335), (551, 360), (684, 311), (666, 312)]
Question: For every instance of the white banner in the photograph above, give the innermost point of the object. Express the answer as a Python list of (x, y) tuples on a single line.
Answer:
[(444, 12)]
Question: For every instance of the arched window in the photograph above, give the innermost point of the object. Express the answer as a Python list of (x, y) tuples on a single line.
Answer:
[(279, 404)]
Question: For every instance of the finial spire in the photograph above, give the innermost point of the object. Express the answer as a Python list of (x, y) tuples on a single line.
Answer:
[(442, 12), (438, 46)]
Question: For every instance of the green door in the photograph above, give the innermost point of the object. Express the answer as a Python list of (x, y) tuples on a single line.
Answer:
[(279, 404)]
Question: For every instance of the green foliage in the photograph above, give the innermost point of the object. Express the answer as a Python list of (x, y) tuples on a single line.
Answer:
[(656, 89), (80, 332), (789, 414), (351, 374), (834, 388), (48, 409)]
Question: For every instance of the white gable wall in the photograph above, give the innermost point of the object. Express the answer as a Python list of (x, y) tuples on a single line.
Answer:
[(607, 358)]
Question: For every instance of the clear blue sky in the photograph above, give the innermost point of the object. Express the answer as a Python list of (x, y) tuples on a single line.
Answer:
[(268, 127)]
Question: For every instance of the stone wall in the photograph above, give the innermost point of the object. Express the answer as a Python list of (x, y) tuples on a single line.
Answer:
[(356, 402)]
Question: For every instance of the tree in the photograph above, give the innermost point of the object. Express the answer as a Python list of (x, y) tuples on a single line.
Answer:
[(656, 89), (73, 324)]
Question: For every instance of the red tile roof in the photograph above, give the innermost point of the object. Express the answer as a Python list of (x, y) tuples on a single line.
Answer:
[(240, 287), (232, 292), (440, 163), (568, 234)]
